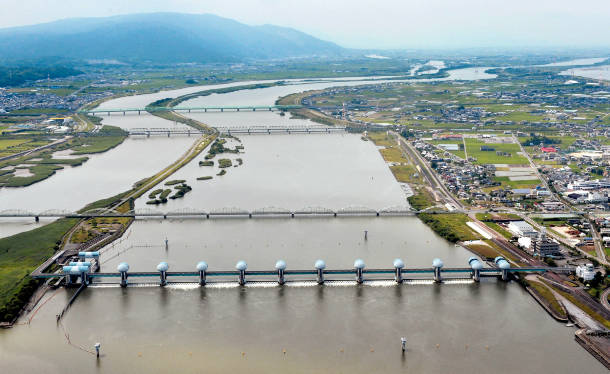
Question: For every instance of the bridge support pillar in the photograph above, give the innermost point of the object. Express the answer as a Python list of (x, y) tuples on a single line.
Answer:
[(222, 109), (359, 266), (335, 214), (320, 265), (202, 267), (207, 216), (280, 266), (437, 264), (504, 267), (398, 266), (83, 278), (241, 267), (37, 219), (123, 113), (123, 279), (291, 215), (138, 112), (162, 269), (476, 267), (165, 216), (476, 275)]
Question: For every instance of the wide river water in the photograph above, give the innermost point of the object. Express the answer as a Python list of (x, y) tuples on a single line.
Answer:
[(457, 327)]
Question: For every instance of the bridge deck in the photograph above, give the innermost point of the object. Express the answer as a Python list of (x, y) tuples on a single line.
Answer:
[(225, 273)]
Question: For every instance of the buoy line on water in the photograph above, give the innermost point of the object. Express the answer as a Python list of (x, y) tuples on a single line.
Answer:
[(33, 314), (67, 336)]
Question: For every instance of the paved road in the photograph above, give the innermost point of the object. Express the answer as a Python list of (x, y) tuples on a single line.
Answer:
[(429, 174)]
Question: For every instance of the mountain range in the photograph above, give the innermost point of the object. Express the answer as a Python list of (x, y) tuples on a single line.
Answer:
[(159, 38)]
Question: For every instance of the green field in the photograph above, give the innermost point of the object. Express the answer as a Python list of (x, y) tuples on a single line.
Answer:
[(450, 226), (19, 255), (490, 157), (460, 153)]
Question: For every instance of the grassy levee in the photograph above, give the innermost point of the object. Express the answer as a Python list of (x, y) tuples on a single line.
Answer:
[(20, 254), (421, 199), (451, 226), (545, 293), (585, 308)]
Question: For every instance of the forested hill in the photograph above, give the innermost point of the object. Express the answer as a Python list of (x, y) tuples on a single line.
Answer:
[(159, 38)]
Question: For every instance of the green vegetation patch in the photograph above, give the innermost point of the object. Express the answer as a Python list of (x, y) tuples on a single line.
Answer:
[(451, 226), (20, 254), (222, 172), (175, 181), (422, 199), (546, 294), (181, 190), (207, 177), (224, 163), (508, 152), (206, 163)]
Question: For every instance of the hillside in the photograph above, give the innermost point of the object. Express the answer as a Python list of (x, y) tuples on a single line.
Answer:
[(159, 38)]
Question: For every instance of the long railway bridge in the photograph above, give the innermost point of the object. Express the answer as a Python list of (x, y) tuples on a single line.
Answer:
[(238, 130), (204, 109), (352, 211)]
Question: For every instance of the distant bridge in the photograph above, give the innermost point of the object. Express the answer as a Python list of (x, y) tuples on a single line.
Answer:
[(238, 130), (229, 108), (221, 212), (142, 131), (252, 130)]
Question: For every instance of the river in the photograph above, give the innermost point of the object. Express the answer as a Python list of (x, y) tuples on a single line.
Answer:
[(458, 327)]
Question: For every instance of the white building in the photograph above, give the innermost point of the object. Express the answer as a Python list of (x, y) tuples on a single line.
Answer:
[(522, 228), (586, 272)]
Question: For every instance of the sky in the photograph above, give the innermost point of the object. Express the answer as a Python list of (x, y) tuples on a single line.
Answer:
[(377, 24)]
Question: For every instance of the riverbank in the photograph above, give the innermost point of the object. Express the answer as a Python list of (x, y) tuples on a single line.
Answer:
[(39, 165), (20, 254)]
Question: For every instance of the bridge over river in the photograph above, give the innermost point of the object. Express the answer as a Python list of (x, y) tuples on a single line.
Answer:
[(226, 108), (353, 211), (238, 130)]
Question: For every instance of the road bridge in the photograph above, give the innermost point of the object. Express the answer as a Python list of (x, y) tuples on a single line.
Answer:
[(225, 108)]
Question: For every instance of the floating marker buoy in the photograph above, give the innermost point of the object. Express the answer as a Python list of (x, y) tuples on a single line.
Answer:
[(437, 346), (243, 354), (372, 350), (139, 354), (341, 350), (487, 347), (284, 351)]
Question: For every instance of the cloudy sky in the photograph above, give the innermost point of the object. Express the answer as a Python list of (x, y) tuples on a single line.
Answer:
[(371, 23)]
